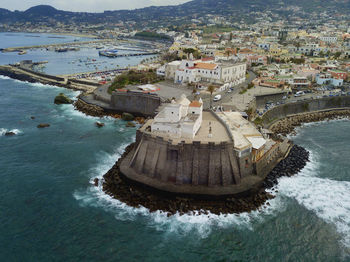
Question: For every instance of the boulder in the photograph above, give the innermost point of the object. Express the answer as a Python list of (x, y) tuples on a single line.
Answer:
[(43, 125), (96, 181), (32, 117), (99, 124), (10, 133), (62, 99), (130, 124), (127, 117)]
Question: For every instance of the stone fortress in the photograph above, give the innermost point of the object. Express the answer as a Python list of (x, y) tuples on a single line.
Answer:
[(189, 151)]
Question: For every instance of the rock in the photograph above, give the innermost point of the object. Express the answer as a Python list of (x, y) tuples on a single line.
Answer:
[(130, 124), (43, 125), (127, 117), (32, 117), (10, 133), (62, 99), (99, 124), (96, 181)]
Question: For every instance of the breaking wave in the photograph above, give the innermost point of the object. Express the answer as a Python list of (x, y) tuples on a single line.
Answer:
[(202, 224), (4, 77), (3, 131), (327, 198)]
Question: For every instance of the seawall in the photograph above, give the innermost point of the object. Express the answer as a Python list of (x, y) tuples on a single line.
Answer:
[(284, 118)]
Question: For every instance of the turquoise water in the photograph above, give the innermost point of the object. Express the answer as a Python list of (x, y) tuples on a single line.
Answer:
[(50, 211)]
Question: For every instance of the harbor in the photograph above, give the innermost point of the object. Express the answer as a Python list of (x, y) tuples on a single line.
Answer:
[(81, 58)]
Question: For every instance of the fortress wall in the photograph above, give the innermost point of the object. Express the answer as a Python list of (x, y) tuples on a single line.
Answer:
[(245, 165), (185, 164), (135, 102), (271, 158), (101, 98), (282, 111)]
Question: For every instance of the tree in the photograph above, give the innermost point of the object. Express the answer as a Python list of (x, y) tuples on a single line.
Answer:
[(211, 89), (337, 54)]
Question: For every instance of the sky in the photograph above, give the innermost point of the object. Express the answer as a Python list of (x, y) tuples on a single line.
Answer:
[(86, 5)]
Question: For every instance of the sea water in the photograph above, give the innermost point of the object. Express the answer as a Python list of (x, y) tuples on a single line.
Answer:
[(51, 211), (63, 63)]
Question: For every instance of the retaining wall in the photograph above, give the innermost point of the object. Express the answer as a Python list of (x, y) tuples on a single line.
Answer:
[(137, 103)]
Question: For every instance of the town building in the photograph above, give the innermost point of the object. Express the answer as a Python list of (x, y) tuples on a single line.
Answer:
[(179, 119), (195, 71)]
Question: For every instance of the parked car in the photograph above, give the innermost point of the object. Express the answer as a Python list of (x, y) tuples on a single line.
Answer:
[(217, 98), (299, 93)]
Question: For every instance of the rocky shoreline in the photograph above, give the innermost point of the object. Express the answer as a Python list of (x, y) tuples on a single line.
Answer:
[(287, 125), (88, 109), (136, 195)]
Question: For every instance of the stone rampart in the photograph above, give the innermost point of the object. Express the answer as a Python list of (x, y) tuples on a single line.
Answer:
[(137, 103), (270, 159), (195, 168)]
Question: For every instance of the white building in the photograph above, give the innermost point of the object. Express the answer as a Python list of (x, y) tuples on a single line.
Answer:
[(194, 71), (170, 69), (329, 39), (179, 119)]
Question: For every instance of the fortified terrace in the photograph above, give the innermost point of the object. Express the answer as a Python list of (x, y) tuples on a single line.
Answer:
[(187, 150)]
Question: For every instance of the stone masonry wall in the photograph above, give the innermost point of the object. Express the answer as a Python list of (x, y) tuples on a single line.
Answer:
[(192, 164), (135, 102), (282, 111)]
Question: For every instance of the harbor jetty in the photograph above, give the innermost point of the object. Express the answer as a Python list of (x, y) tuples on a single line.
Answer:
[(26, 74), (23, 48)]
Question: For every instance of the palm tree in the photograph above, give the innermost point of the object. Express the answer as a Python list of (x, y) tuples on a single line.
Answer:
[(211, 89)]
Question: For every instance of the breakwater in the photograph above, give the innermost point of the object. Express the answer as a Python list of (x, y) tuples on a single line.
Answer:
[(22, 48), (24, 74)]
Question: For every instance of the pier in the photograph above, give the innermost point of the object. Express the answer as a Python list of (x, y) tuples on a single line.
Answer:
[(18, 49), (114, 55)]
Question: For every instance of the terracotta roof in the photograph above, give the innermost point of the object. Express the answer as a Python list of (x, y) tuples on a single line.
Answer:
[(195, 104), (206, 66), (207, 58)]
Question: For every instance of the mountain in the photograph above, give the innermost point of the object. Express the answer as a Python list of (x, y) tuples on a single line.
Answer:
[(167, 14)]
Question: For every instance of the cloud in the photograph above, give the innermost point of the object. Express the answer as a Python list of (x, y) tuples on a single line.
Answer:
[(86, 5)]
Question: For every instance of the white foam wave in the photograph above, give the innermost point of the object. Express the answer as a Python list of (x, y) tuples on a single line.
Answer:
[(328, 199), (4, 77), (202, 224), (3, 131)]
